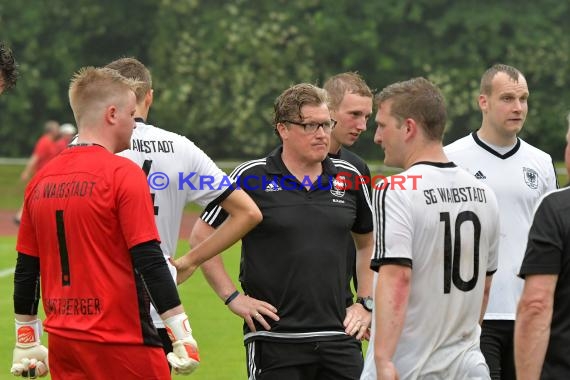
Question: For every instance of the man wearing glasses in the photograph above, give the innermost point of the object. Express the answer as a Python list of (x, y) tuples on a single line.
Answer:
[(293, 267)]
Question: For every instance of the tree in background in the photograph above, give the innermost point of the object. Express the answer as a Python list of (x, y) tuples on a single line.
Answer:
[(220, 64), (52, 40)]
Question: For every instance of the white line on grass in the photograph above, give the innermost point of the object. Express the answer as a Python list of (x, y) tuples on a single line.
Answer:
[(6, 272)]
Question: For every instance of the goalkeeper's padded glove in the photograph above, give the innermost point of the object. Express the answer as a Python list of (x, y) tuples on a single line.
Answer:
[(184, 357), (30, 357)]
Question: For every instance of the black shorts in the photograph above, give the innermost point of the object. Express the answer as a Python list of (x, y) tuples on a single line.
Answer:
[(325, 360), (497, 347)]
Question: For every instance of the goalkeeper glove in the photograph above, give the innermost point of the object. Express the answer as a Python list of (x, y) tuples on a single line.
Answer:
[(184, 357), (30, 356)]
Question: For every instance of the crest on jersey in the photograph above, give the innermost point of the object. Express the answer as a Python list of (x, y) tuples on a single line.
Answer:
[(530, 177), (339, 186)]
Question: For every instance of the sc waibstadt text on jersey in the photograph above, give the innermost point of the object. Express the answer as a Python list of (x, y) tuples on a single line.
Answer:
[(455, 195)]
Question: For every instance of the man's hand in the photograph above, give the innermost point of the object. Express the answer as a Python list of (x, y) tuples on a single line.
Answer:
[(357, 321), (184, 269), (184, 357), (251, 309), (30, 358)]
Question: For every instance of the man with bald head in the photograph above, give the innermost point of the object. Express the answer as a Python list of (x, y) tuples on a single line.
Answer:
[(519, 174)]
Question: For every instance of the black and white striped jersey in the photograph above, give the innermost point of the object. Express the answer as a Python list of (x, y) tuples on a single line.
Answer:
[(518, 177), (443, 223)]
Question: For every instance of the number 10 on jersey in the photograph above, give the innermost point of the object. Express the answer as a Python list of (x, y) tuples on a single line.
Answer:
[(452, 251)]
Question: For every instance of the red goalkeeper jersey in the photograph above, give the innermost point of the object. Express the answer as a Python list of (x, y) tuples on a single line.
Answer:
[(82, 214)]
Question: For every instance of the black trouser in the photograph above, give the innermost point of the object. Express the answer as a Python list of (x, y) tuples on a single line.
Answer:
[(497, 347), (166, 343), (325, 360)]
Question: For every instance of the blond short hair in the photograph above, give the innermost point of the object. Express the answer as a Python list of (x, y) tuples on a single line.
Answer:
[(133, 68), (339, 85), (92, 88)]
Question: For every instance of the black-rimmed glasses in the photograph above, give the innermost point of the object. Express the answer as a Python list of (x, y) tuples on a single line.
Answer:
[(312, 127)]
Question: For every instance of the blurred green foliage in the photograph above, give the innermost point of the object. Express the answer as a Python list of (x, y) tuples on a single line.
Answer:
[(219, 65)]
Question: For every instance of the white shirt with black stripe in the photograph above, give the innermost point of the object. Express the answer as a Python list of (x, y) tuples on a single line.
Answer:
[(518, 177), (446, 230)]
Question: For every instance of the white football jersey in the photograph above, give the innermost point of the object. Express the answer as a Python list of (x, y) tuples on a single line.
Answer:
[(187, 175), (518, 178), (446, 229)]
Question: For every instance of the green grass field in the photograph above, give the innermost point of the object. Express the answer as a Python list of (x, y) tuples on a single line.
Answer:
[(11, 186), (217, 330)]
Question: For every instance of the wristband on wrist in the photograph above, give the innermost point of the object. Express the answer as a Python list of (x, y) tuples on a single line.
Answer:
[(178, 327), (231, 297), (28, 333)]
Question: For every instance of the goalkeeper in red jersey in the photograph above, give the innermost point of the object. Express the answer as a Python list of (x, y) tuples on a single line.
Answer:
[(88, 229)]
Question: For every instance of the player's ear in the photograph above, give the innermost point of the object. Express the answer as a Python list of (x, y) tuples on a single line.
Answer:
[(281, 130), (411, 127), (483, 102), (148, 98), (111, 114)]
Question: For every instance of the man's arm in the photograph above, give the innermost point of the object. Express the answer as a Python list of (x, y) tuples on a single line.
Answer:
[(391, 302), (358, 320), (30, 168), (148, 261), (532, 327), (215, 273), (25, 317), (243, 216), (486, 292), (213, 269), (364, 244)]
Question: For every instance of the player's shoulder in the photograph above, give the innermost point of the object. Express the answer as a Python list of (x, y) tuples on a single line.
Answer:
[(148, 140), (354, 159), (350, 156), (152, 132), (466, 142), (108, 165), (531, 150), (343, 165), (44, 139), (467, 178), (249, 167), (114, 161)]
